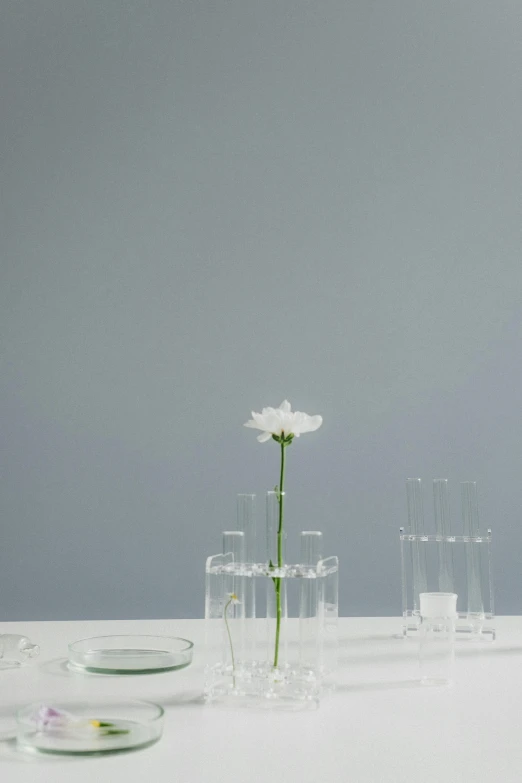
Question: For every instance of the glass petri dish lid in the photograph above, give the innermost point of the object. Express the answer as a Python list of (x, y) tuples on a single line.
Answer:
[(126, 654), (87, 728)]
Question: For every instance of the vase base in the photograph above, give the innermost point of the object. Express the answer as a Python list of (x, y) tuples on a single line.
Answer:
[(259, 684)]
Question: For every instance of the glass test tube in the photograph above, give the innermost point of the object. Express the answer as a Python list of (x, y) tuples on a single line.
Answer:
[(471, 525), (234, 544), (416, 522), (437, 637), (246, 522), (275, 556), (443, 529), (309, 637)]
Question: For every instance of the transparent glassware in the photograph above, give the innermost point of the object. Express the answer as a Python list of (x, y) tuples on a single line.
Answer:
[(436, 638), (275, 553), (311, 553), (130, 654), (16, 650), (445, 561), (416, 527), (443, 530), (255, 657), (137, 724), (246, 523), (471, 526)]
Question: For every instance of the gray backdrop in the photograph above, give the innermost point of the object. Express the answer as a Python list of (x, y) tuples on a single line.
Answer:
[(209, 206)]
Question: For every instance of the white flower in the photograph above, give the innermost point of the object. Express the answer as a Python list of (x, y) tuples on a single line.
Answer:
[(283, 423), (233, 599)]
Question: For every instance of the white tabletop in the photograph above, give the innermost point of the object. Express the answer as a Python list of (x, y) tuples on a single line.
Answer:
[(379, 727)]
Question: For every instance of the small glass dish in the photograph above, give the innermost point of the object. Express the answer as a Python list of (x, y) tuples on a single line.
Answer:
[(130, 654), (90, 727)]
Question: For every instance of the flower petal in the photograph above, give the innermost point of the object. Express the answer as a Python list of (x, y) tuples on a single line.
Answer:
[(257, 422), (275, 421), (311, 423), (297, 423)]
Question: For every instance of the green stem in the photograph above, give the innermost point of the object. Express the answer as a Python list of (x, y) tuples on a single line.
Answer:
[(281, 501), (230, 642), (277, 581)]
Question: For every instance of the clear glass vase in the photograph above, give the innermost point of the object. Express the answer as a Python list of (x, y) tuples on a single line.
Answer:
[(286, 650), (443, 560), (438, 612)]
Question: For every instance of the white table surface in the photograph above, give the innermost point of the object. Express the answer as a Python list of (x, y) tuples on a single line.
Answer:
[(381, 726)]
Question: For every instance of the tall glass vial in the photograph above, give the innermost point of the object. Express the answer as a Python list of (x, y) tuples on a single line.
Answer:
[(443, 528), (246, 522), (416, 522), (438, 613), (276, 585), (310, 555), (471, 524)]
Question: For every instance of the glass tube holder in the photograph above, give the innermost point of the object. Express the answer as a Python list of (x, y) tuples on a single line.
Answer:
[(469, 623), (242, 632)]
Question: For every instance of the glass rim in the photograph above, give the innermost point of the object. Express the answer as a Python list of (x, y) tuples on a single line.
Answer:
[(188, 644), (24, 719)]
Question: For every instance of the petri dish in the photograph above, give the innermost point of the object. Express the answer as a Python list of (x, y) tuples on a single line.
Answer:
[(127, 654), (123, 726)]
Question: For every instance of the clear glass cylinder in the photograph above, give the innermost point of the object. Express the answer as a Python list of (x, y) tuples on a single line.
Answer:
[(277, 622), (446, 576), (246, 522), (311, 547), (438, 612), (471, 525), (416, 522), (275, 544), (310, 556), (234, 581), (234, 543), (276, 588)]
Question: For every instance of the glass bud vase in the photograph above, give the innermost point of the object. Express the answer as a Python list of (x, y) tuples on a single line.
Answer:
[(438, 613), (271, 626)]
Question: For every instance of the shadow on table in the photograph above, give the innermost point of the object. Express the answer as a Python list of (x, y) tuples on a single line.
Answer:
[(375, 647), (197, 699), (194, 698), (365, 640), (8, 721), (59, 667), (378, 686)]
